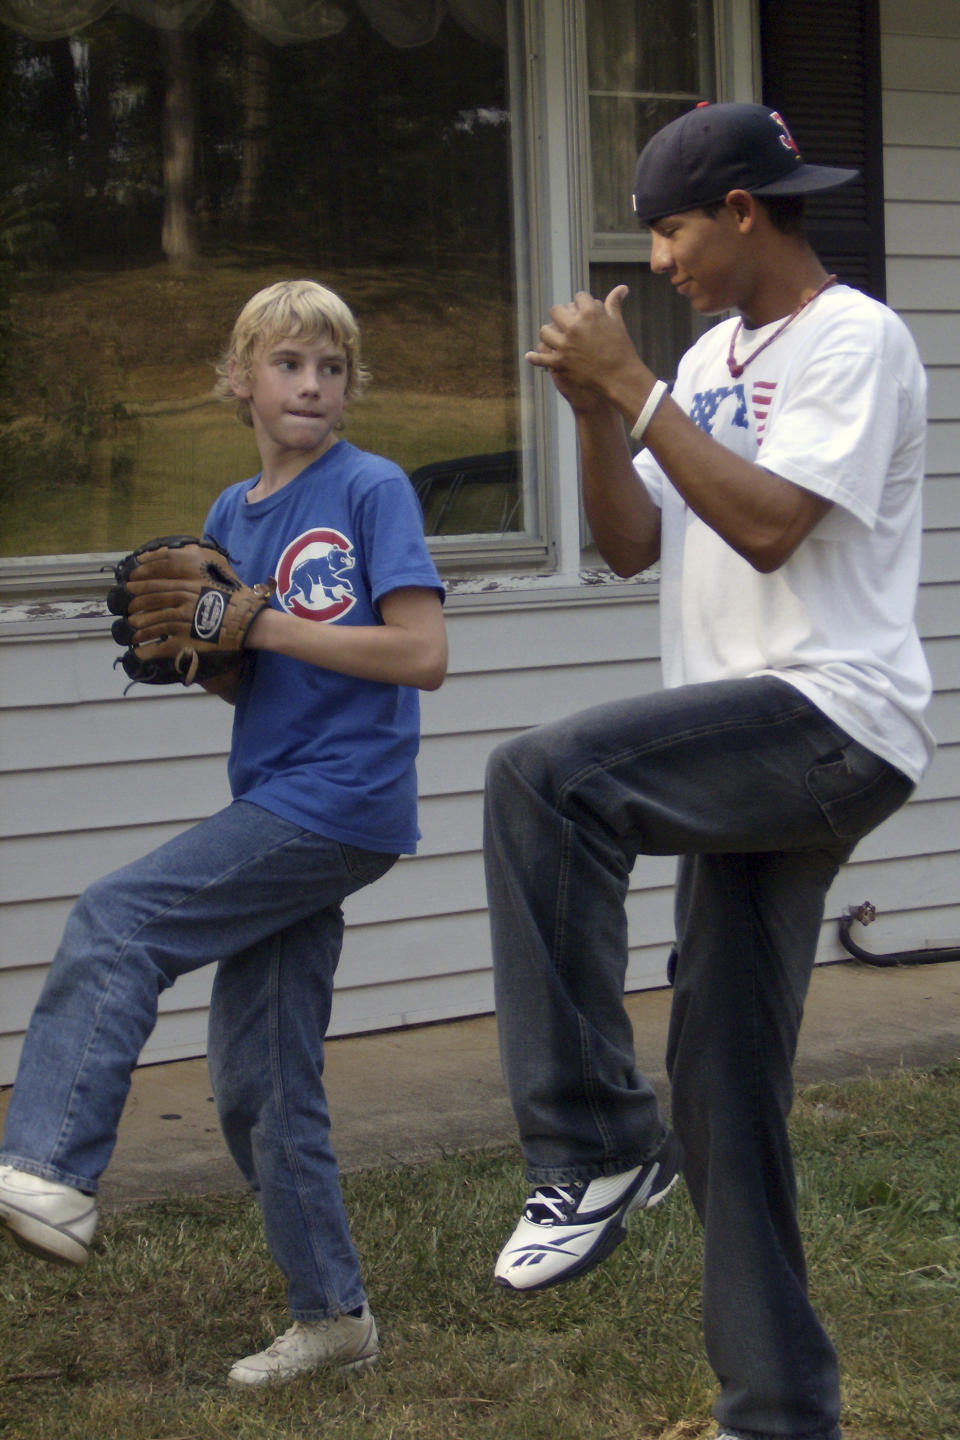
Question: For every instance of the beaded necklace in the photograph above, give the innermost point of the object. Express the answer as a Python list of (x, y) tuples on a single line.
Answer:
[(736, 370)]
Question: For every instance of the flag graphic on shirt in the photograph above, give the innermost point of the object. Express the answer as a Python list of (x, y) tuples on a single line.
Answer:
[(761, 396)]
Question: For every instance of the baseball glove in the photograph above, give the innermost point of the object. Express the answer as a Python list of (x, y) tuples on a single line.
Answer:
[(183, 614)]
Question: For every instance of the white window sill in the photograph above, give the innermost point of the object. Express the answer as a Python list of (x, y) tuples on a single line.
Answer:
[(37, 618)]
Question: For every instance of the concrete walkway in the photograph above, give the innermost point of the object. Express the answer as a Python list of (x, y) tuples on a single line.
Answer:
[(403, 1096)]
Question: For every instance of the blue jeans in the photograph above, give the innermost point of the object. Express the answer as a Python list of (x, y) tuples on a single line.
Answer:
[(762, 797), (261, 897)]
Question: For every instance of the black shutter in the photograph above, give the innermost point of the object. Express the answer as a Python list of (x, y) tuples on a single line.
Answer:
[(821, 70)]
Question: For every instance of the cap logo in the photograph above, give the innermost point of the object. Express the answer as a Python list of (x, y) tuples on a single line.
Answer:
[(786, 139), (702, 155)]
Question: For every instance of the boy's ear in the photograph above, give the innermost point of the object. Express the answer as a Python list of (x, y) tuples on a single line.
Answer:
[(239, 382), (743, 207)]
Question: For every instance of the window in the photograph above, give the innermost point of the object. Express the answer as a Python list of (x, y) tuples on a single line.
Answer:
[(647, 63), (158, 177), (452, 176)]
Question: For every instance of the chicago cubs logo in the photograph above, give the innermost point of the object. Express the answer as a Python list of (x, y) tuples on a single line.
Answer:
[(313, 578)]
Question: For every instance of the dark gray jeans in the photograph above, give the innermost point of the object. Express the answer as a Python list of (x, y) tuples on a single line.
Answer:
[(763, 798)]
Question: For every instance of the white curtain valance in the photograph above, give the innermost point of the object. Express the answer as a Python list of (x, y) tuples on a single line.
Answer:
[(403, 23)]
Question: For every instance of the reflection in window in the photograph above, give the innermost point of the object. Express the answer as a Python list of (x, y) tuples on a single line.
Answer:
[(647, 63), (156, 179)]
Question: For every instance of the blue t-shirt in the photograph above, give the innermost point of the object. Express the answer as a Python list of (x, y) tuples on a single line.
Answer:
[(332, 753)]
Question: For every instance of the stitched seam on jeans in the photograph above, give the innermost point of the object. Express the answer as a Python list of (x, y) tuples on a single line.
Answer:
[(651, 747), (560, 937), (830, 807), (280, 1103), (806, 1370), (560, 906), (590, 1089), (756, 1080), (65, 1128), (186, 895)]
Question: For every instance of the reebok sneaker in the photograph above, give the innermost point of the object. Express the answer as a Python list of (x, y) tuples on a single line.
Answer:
[(567, 1229)]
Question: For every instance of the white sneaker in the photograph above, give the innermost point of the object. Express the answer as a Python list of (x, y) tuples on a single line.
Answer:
[(51, 1220), (349, 1342), (567, 1229)]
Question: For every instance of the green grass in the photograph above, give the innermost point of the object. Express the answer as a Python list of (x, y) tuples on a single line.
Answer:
[(159, 474), (136, 1345), (108, 434)]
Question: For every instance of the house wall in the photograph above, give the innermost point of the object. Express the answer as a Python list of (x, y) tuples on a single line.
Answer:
[(919, 891), (90, 779)]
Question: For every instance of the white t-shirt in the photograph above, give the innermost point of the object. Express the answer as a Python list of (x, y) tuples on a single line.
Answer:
[(836, 404)]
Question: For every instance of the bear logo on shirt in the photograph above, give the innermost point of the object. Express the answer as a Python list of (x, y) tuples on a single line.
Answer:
[(313, 577)]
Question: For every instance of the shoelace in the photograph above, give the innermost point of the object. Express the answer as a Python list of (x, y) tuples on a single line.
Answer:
[(284, 1341), (550, 1200)]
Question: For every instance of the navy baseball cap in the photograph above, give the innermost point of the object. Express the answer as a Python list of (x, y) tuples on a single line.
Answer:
[(703, 155)]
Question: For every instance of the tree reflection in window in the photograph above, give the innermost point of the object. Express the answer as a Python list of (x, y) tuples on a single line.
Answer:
[(156, 178)]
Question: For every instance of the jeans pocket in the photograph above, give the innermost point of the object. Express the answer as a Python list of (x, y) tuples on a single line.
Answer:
[(365, 866), (856, 790)]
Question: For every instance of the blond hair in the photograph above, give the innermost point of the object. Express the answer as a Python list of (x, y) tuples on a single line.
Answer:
[(289, 310)]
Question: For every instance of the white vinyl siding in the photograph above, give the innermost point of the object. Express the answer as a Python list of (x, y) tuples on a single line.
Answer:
[(910, 867), (89, 781)]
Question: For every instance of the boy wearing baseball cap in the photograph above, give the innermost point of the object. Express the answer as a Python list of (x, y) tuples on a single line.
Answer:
[(779, 487)]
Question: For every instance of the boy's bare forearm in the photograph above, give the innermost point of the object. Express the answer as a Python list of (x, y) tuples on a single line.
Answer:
[(409, 648)]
